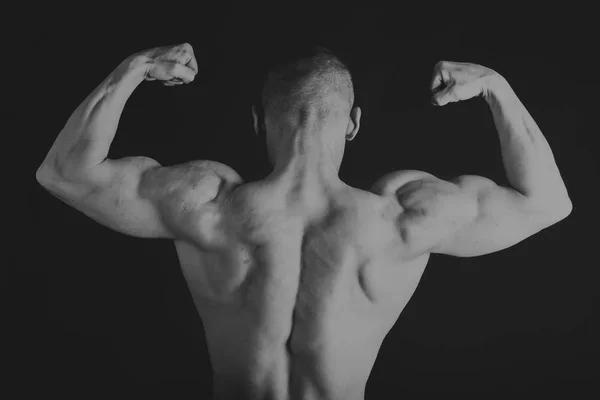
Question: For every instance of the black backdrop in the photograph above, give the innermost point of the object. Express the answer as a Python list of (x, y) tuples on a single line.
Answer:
[(101, 312)]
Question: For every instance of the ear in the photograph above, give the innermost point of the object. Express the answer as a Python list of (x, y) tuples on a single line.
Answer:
[(353, 124)]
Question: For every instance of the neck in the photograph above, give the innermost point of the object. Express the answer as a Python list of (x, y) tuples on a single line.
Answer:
[(305, 156)]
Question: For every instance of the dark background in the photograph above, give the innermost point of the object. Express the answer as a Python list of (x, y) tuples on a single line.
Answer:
[(100, 312)]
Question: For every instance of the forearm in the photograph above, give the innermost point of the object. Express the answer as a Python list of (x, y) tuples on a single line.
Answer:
[(527, 157), (86, 137)]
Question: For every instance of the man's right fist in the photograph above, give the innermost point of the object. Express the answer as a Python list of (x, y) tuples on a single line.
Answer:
[(173, 65)]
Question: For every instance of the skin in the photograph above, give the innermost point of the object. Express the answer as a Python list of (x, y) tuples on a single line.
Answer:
[(298, 277)]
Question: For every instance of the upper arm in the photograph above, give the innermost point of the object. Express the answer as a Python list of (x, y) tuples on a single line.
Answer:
[(466, 217), (503, 217), (135, 195)]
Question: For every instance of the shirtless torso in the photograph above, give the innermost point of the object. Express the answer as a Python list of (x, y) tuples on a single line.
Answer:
[(298, 284), (296, 299)]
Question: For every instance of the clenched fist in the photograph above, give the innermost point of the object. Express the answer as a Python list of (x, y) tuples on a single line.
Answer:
[(173, 65), (455, 81)]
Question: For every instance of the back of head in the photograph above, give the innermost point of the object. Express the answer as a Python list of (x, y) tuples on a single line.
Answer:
[(310, 77)]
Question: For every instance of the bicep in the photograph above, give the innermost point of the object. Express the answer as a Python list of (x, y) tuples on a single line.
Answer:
[(502, 218), (111, 194)]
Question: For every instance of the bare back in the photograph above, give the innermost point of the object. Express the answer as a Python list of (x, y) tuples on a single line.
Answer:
[(297, 301), (297, 290), (297, 296)]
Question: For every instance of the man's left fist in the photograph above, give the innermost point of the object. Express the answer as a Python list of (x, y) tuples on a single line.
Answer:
[(455, 81)]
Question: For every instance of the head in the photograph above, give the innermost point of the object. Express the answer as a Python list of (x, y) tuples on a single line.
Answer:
[(310, 92)]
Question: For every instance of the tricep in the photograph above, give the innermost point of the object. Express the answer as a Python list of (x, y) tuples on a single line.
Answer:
[(110, 194), (465, 217), (501, 217), (433, 210), (139, 197)]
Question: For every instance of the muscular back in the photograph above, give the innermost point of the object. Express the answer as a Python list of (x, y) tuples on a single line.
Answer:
[(294, 298), (296, 295)]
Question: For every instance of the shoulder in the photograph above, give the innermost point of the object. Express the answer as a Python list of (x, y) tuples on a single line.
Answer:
[(205, 177), (393, 181), (202, 168)]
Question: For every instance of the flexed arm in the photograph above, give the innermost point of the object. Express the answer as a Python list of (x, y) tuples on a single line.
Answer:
[(472, 215), (527, 157), (121, 194), (85, 140)]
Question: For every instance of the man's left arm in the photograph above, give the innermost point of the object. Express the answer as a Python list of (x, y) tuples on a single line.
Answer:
[(537, 196), (472, 215)]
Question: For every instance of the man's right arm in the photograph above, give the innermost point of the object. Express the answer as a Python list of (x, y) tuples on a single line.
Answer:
[(127, 202), (124, 194), (144, 199)]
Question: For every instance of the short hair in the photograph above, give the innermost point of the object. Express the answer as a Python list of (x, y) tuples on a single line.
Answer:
[(305, 76)]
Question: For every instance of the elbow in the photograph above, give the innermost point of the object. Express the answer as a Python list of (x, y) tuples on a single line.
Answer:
[(42, 175), (567, 209), (555, 206), (561, 211), (46, 176), (47, 171), (565, 206)]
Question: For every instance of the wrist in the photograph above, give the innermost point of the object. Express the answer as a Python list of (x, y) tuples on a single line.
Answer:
[(136, 65), (496, 88)]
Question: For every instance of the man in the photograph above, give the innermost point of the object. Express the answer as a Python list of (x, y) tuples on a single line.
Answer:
[(298, 277)]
